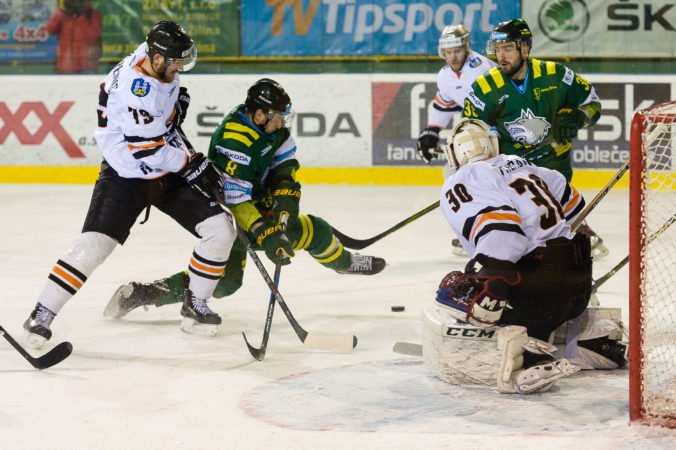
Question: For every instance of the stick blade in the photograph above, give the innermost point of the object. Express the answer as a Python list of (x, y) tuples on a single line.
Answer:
[(54, 356), (322, 341), (408, 348), (257, 353)]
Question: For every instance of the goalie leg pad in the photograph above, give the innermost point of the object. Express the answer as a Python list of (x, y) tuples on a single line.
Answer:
[(511, 342)]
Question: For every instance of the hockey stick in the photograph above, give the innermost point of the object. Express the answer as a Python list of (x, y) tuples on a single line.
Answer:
[(259, 353), (358, 244), (597, 283), (311, 339), (52, 357), (598, 197)]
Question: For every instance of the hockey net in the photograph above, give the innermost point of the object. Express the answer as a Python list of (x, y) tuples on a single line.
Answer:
[(652, 266)]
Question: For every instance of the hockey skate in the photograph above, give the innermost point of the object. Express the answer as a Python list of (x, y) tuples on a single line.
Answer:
[(37, 326), (198, 318), (541, 377), (132, 295), (613, 350), (363, 265), (457, 249)]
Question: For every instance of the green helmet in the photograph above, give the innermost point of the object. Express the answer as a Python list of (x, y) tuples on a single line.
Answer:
[(515, 30), (453, 36)]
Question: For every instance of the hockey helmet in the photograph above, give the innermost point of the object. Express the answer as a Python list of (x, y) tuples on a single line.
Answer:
[(270, 96), (453, 36), (515, 30), (470, 140), (170, 40)]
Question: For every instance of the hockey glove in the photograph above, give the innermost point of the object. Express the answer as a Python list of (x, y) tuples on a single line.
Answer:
[(476, 299), (183, 104), (286, 201), (566, 124), (201, 174), (271, 237), (427, 144)]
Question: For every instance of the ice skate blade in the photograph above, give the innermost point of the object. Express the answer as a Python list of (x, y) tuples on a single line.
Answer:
[(458, 251), (112, 310), (191, 326), (34, 341)]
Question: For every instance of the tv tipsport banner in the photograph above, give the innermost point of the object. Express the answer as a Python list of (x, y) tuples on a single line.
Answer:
[(349, 27)]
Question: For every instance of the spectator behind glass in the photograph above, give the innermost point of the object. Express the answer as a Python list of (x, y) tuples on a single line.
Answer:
[(78, 27)]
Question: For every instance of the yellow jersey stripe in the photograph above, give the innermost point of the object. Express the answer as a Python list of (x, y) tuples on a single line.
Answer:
[(483, 84), (242, 129), (537, 69), (238, 137), (550, 67), (497, 77)]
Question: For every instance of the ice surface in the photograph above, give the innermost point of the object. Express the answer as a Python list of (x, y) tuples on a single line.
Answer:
[(139, 383)]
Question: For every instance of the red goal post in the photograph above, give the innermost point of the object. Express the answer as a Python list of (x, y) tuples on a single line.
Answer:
[(652, 266)]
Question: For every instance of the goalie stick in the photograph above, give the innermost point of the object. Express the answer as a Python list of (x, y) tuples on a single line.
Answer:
[(49, 359), (408, 348), (597, 283), (358, 244)]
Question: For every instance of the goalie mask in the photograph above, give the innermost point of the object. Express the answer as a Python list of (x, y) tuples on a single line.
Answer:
[(470, 141), (453, 36)]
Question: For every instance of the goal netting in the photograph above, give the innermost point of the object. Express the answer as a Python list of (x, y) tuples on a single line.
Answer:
[(652, 265)]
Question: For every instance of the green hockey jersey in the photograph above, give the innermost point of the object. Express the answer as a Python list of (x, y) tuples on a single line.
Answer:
[(523, 115), (252, 163)]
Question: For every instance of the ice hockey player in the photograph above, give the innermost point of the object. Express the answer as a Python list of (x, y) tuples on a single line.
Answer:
[(514, 220), (145, 162), (536, 107), (254, 149), (453, 81)]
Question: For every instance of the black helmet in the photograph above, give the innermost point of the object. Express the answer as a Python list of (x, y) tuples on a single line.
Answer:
[(267, 94), (515, 30), (170, 40)]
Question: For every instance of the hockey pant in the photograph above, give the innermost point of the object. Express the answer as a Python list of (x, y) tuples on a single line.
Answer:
[(555, 286)]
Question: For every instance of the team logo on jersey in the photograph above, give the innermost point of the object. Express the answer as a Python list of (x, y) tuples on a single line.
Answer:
[(568, 77), (474, 62), (140, 87), (238, 157), (475, 100), (528, 129)]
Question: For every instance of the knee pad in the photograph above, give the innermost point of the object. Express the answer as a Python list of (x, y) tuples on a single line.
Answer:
[(89, 250), (217, 236)]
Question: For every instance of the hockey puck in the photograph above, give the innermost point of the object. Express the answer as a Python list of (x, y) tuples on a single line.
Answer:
[(397, 308)]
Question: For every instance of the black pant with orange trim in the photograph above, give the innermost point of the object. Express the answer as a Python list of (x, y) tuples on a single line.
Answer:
[(117, 202)]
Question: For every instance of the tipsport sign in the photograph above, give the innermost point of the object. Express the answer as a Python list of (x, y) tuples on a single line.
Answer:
[(351, 27)]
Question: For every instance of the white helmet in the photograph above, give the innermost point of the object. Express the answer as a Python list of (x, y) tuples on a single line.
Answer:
[(453, 36), (470, 140)]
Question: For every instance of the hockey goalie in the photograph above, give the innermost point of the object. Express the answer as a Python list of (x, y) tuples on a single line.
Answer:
[(495, 323)]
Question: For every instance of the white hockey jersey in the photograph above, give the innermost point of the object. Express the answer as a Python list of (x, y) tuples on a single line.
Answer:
[(135, 132), (452, 88), (506, 207)]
